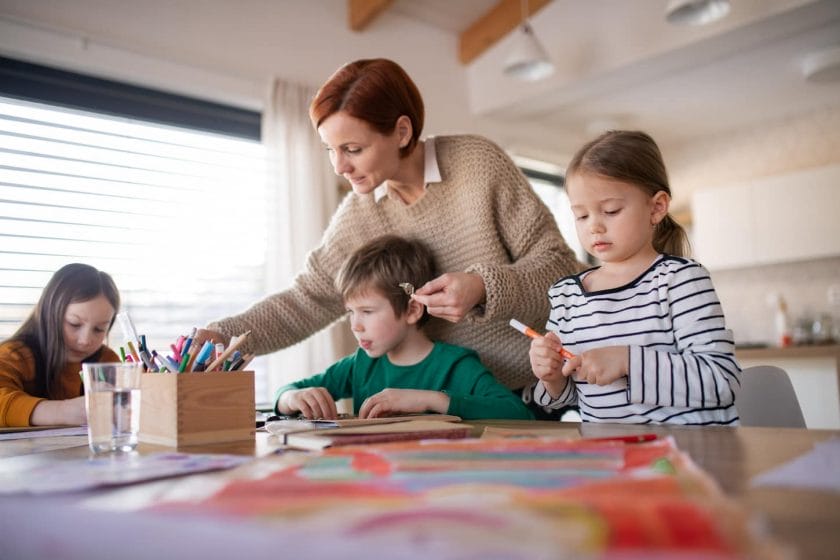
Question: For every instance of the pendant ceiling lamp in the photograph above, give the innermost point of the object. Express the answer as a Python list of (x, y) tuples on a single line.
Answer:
[(696, 12), (528, 60)]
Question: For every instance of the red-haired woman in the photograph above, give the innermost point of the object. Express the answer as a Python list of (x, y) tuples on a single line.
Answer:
[(495, 241)]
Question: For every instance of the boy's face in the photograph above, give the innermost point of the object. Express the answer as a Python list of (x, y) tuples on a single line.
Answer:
[(375, 324)]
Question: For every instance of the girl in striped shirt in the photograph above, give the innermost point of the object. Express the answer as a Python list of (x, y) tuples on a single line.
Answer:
[(646, 327)]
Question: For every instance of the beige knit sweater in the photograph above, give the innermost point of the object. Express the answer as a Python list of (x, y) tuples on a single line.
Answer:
[(483, 217)]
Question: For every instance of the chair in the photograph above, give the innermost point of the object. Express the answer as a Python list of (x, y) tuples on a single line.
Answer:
[(767, 398)]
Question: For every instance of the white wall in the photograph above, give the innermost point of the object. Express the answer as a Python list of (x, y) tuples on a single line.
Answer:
[(780, 147)]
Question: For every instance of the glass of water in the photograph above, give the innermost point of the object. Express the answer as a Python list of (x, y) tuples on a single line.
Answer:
[(112, 402)]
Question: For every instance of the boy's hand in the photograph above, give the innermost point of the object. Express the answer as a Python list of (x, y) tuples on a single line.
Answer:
[(547, 363), (600, 366), (312, 403), (391, 402)]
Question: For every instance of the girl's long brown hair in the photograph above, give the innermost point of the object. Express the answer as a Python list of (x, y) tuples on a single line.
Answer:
[(43, 331), (633, 157)]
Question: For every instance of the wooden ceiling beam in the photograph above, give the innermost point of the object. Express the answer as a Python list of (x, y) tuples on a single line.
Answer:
[(360, 13), (502, 18)]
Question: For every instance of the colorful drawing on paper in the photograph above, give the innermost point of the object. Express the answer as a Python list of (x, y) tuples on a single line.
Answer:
[(499, 498)]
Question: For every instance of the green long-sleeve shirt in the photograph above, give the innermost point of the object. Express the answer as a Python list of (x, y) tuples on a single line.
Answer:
[(473, 391)]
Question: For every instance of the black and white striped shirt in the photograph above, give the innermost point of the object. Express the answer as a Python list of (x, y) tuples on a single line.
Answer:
[(682, 367)]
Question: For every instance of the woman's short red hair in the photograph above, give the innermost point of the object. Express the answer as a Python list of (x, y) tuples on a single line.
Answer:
[(377, 91)]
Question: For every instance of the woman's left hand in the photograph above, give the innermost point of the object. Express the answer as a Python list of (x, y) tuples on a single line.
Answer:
[(453, 295)]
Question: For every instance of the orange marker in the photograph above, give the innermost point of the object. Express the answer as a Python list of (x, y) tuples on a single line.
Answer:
[(528, 331)]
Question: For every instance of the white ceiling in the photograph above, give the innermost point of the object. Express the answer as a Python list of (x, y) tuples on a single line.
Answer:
[(621, 65)]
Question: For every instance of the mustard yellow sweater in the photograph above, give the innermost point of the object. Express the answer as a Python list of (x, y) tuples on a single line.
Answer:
[(17, 382), (483, 218)]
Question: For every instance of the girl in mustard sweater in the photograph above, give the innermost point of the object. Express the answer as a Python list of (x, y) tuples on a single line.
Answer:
[(40, 363)]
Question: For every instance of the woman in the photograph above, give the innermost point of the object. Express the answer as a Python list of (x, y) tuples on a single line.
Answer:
[(460, 195)]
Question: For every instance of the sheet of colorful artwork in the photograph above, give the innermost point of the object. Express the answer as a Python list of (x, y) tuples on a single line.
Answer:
[(499, 498)]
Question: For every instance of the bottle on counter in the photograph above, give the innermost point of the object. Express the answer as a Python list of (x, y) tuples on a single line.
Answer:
[(784, 332)]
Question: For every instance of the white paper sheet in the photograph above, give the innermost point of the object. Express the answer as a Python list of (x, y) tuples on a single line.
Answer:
[(51, 432), (107, 470), (819, 469)]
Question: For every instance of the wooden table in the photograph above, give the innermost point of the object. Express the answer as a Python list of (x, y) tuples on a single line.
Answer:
[(807, 520)]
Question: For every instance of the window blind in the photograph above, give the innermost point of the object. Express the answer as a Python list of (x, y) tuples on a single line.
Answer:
[(178, 217)]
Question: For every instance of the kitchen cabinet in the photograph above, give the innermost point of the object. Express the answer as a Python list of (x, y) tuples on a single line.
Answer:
[(783, 218), (814, 372)]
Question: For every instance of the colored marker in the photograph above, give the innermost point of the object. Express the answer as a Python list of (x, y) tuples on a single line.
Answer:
[(637, 438), (122, 353), (528, 331), (175, 352), (133, 352), (172, 365), (202, 356)]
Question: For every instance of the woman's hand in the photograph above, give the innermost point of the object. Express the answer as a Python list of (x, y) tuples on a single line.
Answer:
[(203, 335), (49, 413), (547, 363), (601, 366), (312, 403), (390, 402), (453, 295)]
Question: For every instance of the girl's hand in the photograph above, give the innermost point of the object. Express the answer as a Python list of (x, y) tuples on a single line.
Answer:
[(547, 363), (453, 295), (312, 402), (602, 366), (390, 402)]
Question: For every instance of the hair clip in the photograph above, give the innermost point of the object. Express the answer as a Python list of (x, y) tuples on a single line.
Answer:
[(408, 288)]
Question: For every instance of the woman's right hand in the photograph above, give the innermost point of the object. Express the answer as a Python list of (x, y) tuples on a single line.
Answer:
[(312, 402), (451, 296)]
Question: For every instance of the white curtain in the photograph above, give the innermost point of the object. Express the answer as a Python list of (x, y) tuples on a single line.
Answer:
[(305, 193)]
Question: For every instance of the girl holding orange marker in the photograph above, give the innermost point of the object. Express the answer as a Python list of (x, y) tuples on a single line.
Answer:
[(646, 327)]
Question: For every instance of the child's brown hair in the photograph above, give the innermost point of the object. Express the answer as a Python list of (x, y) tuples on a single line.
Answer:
[(43, 330), (633, 157), (382, 265)]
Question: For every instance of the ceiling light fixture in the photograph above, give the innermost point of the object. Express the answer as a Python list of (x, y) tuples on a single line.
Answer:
[(822, 66), (528, 60), (696, 12)]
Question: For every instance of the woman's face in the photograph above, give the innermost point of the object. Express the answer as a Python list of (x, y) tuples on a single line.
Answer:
[(85, 326), (360, 154)]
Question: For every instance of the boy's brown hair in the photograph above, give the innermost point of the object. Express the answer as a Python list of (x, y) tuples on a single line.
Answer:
[(382, 265)]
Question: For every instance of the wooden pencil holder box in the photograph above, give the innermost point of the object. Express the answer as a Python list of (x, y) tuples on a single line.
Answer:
[(196, 408)]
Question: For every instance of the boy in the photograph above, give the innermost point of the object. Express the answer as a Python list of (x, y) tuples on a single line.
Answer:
[(397, 369)]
